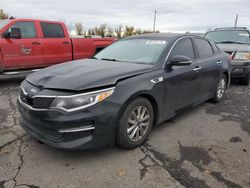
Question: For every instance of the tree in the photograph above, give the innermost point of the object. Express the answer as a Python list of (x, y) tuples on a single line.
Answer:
[(3, 15), (79, 28), (110, 32), (138, 32), (129, 30), (118, 31), (101, 30), (91, 32)]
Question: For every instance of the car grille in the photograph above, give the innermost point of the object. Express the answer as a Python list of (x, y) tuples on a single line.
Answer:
[(42, 131), (35, 102)]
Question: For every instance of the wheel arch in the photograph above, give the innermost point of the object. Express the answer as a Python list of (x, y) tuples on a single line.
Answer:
[(145, 95)]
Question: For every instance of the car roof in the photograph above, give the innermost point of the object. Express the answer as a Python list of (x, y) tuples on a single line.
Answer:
[(33, 20), (230, 28), (162, 35)]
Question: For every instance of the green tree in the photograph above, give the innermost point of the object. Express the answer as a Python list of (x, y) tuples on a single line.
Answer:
[(3, 15)]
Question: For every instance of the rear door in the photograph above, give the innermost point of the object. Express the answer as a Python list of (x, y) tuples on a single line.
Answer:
[(25, 52), (182, 82), (56, 43), (210, 63)]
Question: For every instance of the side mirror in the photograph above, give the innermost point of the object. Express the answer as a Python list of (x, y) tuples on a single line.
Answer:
[(180, 60), (15, 33)]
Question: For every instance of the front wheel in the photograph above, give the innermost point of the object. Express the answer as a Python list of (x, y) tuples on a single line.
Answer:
[(135, 124), (220, 90)]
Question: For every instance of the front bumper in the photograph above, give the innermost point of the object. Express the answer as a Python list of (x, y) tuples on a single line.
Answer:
[(88, 129), (240, 69)]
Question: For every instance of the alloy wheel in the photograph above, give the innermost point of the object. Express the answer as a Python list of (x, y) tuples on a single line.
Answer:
[(138, 123), (221, 88)]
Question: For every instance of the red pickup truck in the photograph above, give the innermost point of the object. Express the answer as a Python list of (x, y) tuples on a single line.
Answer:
[(32, 44)]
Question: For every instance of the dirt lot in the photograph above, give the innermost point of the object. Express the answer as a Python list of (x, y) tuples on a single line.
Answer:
[(208, 146)]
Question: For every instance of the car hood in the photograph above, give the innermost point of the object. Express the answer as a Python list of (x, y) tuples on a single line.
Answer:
[(234, 47), (85, 74)]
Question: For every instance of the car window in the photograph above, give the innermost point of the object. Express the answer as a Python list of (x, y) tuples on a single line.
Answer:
[(184, 47), (52, 30), (141, 50), (203, 47), (228, 36), (28, 29)]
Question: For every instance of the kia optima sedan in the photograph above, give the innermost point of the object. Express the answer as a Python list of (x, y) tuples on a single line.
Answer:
[(118, 95)]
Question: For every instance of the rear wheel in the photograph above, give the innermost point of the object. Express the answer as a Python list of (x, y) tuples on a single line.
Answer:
[(220, 89), (245, 80), (135, 124)]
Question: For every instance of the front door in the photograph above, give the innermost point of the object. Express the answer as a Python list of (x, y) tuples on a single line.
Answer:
[(182, 83), (25, 52)]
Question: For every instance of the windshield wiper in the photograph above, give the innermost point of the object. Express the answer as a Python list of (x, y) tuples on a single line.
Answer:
[(229, 42), (106, 59)]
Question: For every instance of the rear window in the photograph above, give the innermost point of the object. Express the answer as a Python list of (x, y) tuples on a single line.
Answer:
[(52, 30), (204, 47), (239, 37)]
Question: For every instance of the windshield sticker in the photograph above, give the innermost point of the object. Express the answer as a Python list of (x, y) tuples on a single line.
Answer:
[(244, 34), (159, 42)]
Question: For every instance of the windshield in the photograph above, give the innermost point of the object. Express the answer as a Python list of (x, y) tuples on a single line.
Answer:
[(3, 23), (146, 51), (239, 37)]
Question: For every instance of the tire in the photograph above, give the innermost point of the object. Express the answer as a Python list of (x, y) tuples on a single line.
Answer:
[(220, 90), (133, 130), (245, 80)]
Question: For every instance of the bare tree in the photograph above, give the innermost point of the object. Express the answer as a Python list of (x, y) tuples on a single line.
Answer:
[(3, 15), (101, 30), (110, 32), (118, 31), (79, 28), (138, 32)]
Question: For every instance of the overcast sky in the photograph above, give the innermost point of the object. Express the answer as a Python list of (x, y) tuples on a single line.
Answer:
[(172, 15)]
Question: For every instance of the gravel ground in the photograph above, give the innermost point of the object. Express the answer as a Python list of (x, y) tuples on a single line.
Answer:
[(207, 146)]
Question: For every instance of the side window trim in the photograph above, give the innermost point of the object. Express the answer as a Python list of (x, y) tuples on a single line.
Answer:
[(33, 23), (171, 49), (203, 57), (57, 24), (181, 41)]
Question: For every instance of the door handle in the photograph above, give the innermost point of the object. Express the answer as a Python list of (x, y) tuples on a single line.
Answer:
[(65, 42), (197, 68), (219, 62), (36, 43)]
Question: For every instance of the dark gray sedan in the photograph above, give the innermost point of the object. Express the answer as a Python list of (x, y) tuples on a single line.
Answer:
[(117, 96)]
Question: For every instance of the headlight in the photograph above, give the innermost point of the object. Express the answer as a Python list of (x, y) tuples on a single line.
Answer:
[(242, 56), (81, 101)]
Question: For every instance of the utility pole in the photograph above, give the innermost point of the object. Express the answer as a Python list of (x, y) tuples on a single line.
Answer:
[(236, 21), (154, 21)]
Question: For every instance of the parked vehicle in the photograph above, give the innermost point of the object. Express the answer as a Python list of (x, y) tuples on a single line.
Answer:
[(31, 44), (236, 42), (118, 96)]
